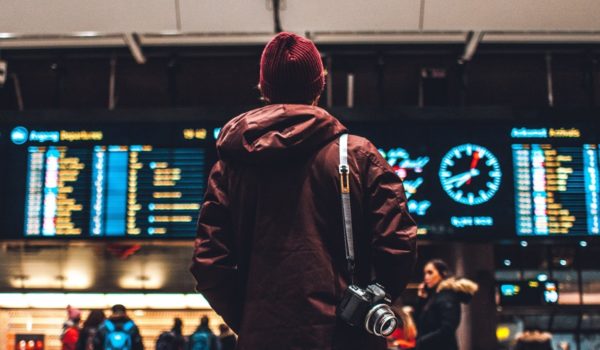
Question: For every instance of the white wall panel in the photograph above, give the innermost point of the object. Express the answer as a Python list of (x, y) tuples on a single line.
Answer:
[(547, 15), (357, 15), (225, 16), (67, 16)]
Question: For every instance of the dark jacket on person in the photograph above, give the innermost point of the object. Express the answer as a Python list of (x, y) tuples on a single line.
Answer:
[(438, 316), (534, 341), (119, 322), (171, 340), (270, 253), (180, 342), (86, 338), (214, 342), (228, 341)]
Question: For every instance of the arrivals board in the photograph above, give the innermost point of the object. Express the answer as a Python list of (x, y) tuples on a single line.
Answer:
[(496, 180)]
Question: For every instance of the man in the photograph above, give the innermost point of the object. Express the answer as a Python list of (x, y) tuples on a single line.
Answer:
[(118, 332), (173, 339), (203, 338), (228, 339), (270, 250)]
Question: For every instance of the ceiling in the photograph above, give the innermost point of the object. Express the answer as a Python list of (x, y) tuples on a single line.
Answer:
[(31, 23)]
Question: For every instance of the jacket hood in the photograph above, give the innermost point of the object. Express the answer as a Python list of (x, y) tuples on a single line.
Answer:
[(534, 337), (464, 288), (276, 132)]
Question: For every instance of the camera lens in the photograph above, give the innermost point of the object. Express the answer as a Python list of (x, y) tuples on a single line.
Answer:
[(381, 320), (387, 325)]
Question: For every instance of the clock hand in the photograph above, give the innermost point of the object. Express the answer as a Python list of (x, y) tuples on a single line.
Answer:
[(459, 177), (474, 162), (466, 177)]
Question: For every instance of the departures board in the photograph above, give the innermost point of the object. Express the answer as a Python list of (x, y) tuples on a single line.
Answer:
[(119, 181), (463, 179)]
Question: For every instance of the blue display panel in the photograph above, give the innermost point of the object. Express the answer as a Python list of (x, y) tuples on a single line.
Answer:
[(551, 188), (80, 184), (528, 293), (591, 169), (497, 181), (475, 180), (454, 176), (556, 182)]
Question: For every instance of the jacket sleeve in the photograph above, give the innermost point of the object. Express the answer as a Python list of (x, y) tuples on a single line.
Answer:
[(214, 264), (99, 338), (394, 230), (136, 339), (449, 312)]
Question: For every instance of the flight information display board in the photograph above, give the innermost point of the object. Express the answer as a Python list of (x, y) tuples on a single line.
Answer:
[(551, 190), (556, 184), (101, 182), (479, 180), (497, 180), (455, 177)]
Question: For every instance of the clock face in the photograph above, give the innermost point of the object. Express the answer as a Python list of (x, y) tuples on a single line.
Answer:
[(470, 174)]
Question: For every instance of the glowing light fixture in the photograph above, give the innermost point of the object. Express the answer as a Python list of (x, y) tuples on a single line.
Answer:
[(102, 301)]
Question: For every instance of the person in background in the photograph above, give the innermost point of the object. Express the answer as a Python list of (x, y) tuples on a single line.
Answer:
[(203, 338), (269, 254), (118, 332), (90, 329), (534, 340), (70, 334), (438, 311), (174, 339), (227, 337), (404, 337)]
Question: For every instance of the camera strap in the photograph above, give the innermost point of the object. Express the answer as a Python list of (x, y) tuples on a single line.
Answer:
[(344, 171)]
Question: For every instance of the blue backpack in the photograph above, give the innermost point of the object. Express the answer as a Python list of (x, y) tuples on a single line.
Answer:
[(118, 339), (200, 341)]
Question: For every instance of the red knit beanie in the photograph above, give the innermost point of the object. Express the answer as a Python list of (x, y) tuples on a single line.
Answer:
[(291, 70)]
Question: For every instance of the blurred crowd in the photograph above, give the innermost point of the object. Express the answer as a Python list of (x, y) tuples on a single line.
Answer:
[(119, 332)]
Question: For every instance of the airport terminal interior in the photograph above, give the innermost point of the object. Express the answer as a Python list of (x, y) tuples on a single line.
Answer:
[(110, 111)]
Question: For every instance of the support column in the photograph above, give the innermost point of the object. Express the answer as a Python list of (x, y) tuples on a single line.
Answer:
[(477, 329)]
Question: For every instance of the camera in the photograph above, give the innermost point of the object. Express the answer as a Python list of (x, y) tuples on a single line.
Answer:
[(369, 307)]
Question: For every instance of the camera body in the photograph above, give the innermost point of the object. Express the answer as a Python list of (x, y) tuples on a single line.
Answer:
[(369, 308)]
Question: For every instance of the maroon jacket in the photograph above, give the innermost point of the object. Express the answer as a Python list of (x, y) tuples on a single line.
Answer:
[(269, 253)]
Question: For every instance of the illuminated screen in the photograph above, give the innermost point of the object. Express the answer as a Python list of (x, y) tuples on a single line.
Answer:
[(496, 180), (528, 293), (556, 189), (127, 181), (481, 180), (456, 177)]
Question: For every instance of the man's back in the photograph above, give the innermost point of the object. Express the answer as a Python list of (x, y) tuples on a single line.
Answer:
[(270, 236), (118, 333)]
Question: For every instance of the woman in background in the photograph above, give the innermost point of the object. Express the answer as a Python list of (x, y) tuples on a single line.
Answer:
[(438, 311), (89, 330)]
